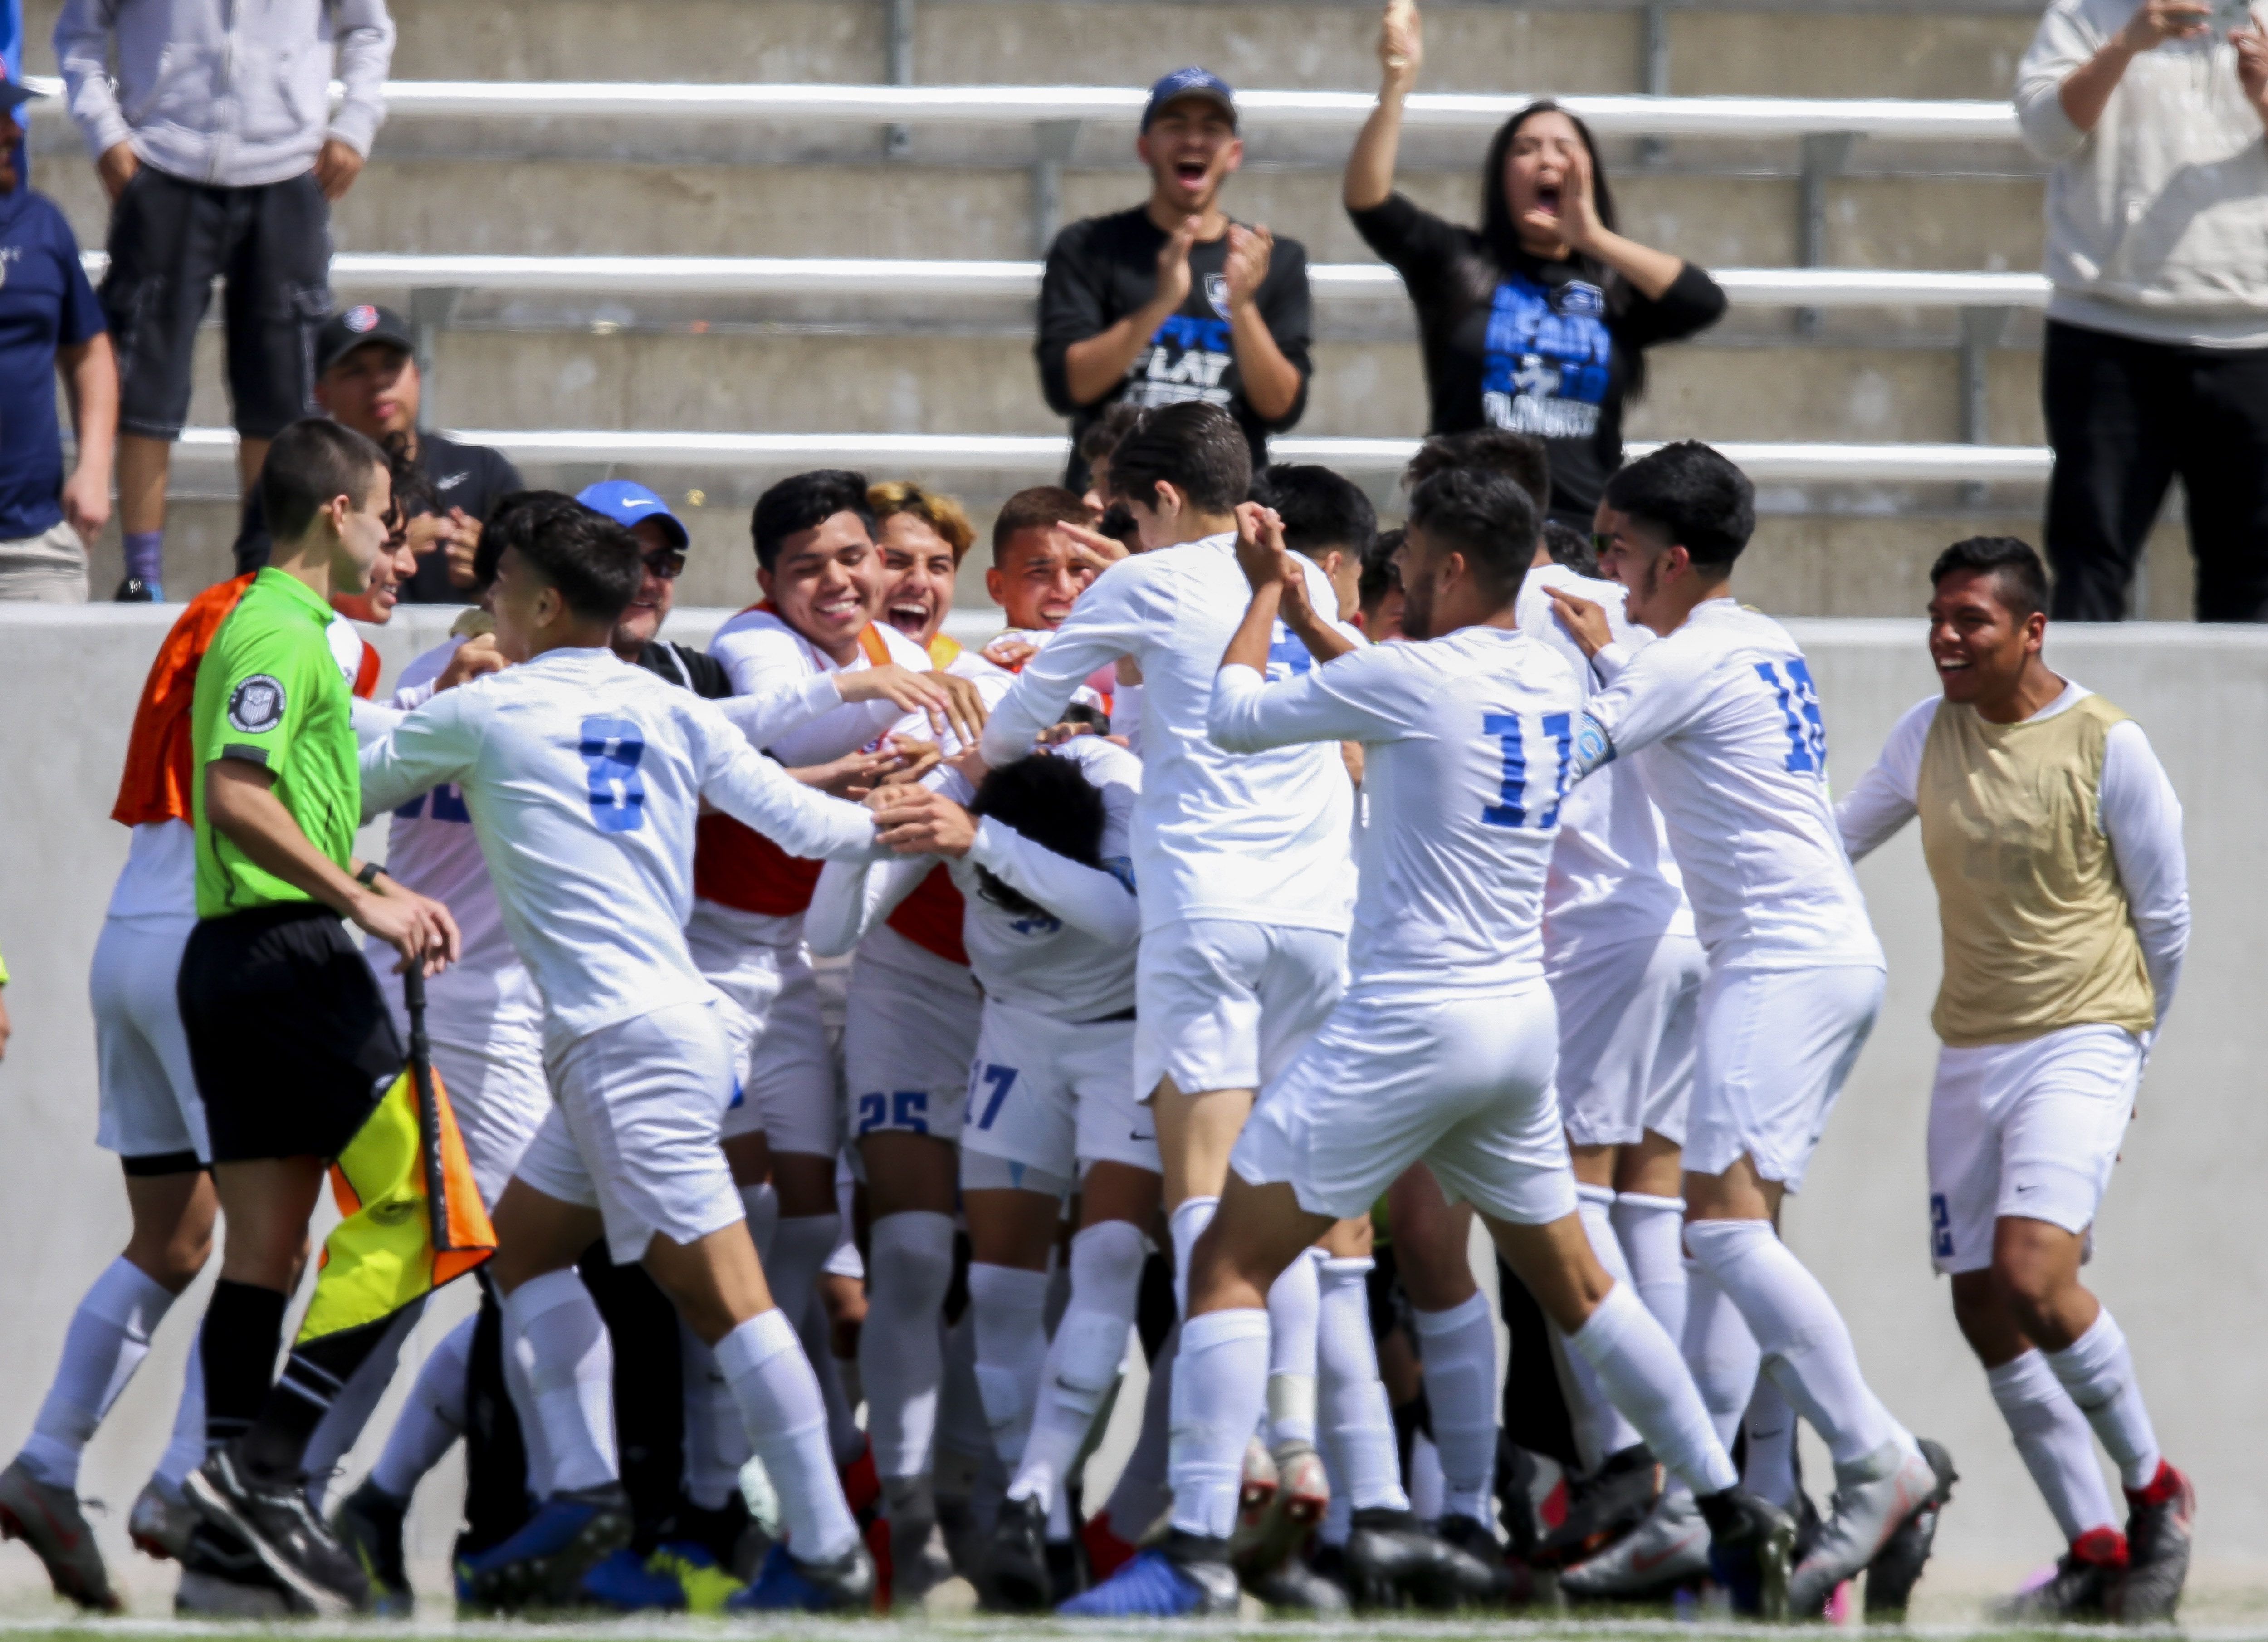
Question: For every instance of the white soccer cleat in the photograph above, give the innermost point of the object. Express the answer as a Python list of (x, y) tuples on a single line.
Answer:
[(1872, 1498), (1669, 1547)]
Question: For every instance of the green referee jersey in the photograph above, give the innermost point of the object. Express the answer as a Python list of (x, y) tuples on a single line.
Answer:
[(271, 691)]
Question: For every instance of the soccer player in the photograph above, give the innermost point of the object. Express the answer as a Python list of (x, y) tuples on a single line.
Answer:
[(1442, 1046), (1326, 517), (2055, 842), (1724, 719), (584, 778)]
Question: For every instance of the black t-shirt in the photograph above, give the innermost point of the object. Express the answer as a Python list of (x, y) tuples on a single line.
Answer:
[(1105, 268), (681, 664), (1531, 346), (470, 477)]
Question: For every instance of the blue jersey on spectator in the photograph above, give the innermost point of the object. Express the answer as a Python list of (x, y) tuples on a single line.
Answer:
[(45, 303)]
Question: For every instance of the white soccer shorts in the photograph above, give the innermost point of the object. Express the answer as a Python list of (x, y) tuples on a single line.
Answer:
[(1775, 1048), (783, 1071), (1223, 1005), (1056, 1096), (500, 1095), (2028, 1130), (1626, 1022), (149, 1101), (634, 1134), (1463, 1082), (906, 1048)]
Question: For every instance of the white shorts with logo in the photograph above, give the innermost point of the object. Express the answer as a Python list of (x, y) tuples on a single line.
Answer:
[(635, 1132), (150, 1105), (1056, 1096), (1627, 1015), (906, 1048), (2028, 1130), (1462, 1081), (783, 1071), (1223, 1005), (1776, 1046)]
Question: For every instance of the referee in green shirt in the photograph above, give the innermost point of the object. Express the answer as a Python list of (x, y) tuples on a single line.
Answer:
[(291, 1042)]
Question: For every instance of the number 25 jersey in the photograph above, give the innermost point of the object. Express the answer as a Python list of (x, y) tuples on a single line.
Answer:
[(1734, 750)]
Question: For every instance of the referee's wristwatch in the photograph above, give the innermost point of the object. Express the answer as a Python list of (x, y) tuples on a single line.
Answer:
[(371, 871)]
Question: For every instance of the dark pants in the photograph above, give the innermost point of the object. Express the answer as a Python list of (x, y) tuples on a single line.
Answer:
[(2123, 417), (169, 240)]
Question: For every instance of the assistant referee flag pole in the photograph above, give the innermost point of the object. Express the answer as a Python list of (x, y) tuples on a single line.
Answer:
[(429, 1107)]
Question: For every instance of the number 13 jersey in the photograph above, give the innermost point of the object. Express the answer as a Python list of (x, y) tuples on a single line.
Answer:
[(1734, 750)]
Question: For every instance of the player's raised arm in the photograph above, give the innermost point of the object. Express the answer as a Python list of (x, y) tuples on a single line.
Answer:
[(851, 897), (418, 752), (1111, 619), (759, 794)]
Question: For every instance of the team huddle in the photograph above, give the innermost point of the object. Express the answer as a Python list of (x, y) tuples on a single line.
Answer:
[(1270, 887)]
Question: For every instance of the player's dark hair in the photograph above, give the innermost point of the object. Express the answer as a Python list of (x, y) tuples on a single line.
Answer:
[(1103, 436), (1119, 524), (1483, 516), (1321, 510), (1196, 447), (805, 501), (2019, 578), (508, 525), (1042, 507), (1570, 548), (594, 562), (1050, 802), (1378, 575), (312, 461), (1692, 495), (1519, 457)]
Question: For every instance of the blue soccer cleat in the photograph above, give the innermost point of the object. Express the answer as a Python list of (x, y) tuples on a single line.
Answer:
[(783, 1585), (542, 1565), (1186, 1576), (630, 1584)]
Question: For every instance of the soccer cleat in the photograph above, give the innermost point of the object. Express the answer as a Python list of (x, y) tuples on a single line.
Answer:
[(842, 1586), (1668, 1548), (1271, 1536), (1255, 1496), (1872, 1498), (919, 1561), (282, 1530), (1514, 1585), (630, 1584), (1603, 1507), (542, 1565), (1896, 1568), (1016, 1562), (160, 1522), (1394, 1558), (2158, 1528), (1751, 1546), (1186, 1576), (1293, 1587), (368, 1522), (133, 590), (2076, 1589), (49, 1520), (223, 1577), (705, 1584)]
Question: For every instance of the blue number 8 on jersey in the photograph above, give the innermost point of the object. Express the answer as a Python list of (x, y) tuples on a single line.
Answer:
[(612, 748)]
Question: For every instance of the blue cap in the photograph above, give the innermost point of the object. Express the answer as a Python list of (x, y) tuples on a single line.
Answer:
[(626, 504), (14, 93), (1188, 83)]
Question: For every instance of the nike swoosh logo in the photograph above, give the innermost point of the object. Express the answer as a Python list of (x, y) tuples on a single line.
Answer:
[(1641, 1562)]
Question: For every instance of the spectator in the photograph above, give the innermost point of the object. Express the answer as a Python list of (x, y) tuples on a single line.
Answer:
[(221, 157), (2156, 356), (662, 542), (1538, 322), (1172, 300), (366, 378), (49, 323), (1326, 517)]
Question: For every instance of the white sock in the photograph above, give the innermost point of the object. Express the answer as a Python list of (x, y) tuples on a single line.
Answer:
[(108, 1336), (1428, 1488), (1009, 1307), (1353, 1409), (1218, 1387), (1337, 1526), (1720, 1354), (2052, 1437), (433, 1416), (1082, 1361), (1652, 1232), (1769, 1469), (800, 1245), (335, 1434), (787, 1425), (1457, 1348), (1294, 1304), (1641, 1370), (716, 1437), (1185, 1227), (760, 1202), (2098, 1371), (1611, 1432), (553, 1326), (1805, 1344), (902, 1347), (838, 1380), (186, 1450)]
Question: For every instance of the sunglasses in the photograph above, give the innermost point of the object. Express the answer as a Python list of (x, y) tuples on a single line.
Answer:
[(668, 564)]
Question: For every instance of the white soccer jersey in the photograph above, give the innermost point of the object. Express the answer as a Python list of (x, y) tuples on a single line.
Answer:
[(1259, 838), (1612, 876), (583, 777), (1732, 746), (769, 660), (1466, 760)]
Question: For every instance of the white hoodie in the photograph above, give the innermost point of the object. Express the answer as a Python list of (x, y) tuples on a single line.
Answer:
[(2157, 220)]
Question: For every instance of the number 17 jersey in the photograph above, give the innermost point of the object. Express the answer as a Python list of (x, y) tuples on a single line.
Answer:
[(1731, 743)]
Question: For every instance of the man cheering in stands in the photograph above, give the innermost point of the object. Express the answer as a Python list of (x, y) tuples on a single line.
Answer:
[(1172, 301)]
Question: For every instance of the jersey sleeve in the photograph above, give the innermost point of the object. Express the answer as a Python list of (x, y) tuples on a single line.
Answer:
[(1110, 620), (851, 897), (2142, 819), (759, 794), (1417, 245), (1656, 691), (436, 743), (1871, 813), (1089, 898), (1363, 696), (271, 675), (764, 715)]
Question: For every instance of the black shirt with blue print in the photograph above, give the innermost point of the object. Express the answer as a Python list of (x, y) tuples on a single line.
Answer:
[(1530, 347), (1102, 268)]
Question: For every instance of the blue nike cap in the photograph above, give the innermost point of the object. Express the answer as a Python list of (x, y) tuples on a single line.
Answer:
[(626, 503), (1188, 83)]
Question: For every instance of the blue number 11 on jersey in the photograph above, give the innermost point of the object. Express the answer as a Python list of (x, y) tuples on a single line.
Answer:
[(1521, 755)]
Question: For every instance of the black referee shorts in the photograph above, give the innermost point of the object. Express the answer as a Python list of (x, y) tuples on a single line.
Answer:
[(292, 1044)]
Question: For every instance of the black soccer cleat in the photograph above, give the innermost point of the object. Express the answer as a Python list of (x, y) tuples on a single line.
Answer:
[(368, 1523), (2079, 1589), (1514, 1585), (133, 590), (1016, 1562), (275, 1522), (1603, 1507), (1395, 1559), (2159, 1524), (1752, 1550), (1896, 1568), (1293, 1587), (223, 1577)]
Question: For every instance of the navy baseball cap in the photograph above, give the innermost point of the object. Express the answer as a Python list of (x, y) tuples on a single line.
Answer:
[(353, 327), (1188, 83), (626, 503), (14, 93)]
